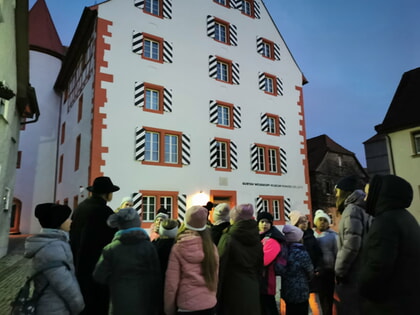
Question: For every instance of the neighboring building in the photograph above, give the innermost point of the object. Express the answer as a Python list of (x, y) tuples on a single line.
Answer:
[(376, 153), (328, 163), (179, 103), (36, 173), (17, 103), (401, 130)]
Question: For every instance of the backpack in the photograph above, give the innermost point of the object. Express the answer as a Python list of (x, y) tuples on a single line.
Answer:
[(26, 299), (280, 262)]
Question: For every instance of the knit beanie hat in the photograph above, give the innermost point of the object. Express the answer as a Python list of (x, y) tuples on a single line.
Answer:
[(162, 215), (292, 233), (221, 213), (168, 228), (294, 216), (242, 212), (321, 214), (51, 215), (124, 219), (126, 199), (265, 215), (348, 183), (196, 218)]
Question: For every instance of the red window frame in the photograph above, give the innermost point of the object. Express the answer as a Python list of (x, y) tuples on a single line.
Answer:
[(157, 39), (227, 26), (158, 194), (267, 159), (252, 13), (274, 79), (160, 89), (63, 132), (271, 44), (162, 133), (160, 15), (227, 5), (77, 156), (80, 109), (60, 169), (228, 167), (276, 124), (230, 106), (229, 70), (270, 200)]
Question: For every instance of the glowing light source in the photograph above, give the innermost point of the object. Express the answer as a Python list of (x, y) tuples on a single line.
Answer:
[(200, 199)]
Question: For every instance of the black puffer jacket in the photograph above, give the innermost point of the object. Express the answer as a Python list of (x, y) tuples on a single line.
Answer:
[(390, 273)]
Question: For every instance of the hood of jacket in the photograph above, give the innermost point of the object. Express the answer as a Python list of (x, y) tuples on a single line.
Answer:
[(388, 192), (190, 246), (131, 236), (357, 198), (245, 232), (35, 243)]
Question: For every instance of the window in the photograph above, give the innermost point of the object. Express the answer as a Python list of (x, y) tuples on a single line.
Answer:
[(273, 205), (152, 47), (247, 7), (222, 2), (63, 132), (223, 70), (416, 142), (273, 124), (265, 159), (162, 147), (223, 154), (270, 84), (77, 156), (19, 159), (268, 49), (80, 109), (60, 169), (153, 97), (153, 200), (220, 32), (153, 7), (225, 115)]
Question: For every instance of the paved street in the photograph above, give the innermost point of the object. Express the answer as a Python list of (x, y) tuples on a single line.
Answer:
[(13, 271)]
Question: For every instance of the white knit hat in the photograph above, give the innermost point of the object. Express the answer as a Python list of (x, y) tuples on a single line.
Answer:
[(321, 214)]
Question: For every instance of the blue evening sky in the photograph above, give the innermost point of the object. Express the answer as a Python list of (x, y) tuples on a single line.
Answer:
[(353, 53)]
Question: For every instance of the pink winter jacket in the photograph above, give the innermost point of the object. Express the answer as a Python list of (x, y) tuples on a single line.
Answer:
[(185, 287)]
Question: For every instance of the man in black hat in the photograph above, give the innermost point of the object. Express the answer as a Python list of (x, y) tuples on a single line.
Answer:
[(89, 233)]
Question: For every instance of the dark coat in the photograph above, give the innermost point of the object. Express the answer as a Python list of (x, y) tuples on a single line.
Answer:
[(390, 274), (89, 233), (130, 267), (241, 266), (315, 253), (217, 231)]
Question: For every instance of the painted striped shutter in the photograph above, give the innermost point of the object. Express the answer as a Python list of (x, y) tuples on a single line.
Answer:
[(233, 35), (259, 204), (212, 67), (279, 86), (167, 100), (264, 122), (233, 156), (282, 126), (139, 4), (182, 207), (287, 209), (261, 81), (210, 26), (138, 94), (186, 149), (283, 161), (167, 52), (237, 116), (137, 42), (277, 55), (167, 9), (236, 4), (138, 202), (260, 46), (213, 112), (254, 157), (257, 11), (213, 153), (140, 144), (235, 73)]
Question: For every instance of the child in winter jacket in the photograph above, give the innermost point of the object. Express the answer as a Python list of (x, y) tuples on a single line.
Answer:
[(51, 247), (192, 274)]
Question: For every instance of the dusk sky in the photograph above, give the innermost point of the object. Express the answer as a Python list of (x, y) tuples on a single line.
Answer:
[(353, 53)]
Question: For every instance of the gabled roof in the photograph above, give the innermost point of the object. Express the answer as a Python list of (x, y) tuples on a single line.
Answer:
[(404, 111), (319, 146), (43, 35)]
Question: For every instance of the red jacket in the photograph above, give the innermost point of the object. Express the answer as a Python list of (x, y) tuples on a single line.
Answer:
[(271, 249)]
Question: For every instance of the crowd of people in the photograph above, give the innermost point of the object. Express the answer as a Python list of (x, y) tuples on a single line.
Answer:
[(226, 260)]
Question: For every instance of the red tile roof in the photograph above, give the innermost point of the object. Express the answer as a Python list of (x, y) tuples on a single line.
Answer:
[(43, 35)]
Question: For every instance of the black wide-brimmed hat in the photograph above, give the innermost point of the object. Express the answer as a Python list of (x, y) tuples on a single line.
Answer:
[(102, 185)]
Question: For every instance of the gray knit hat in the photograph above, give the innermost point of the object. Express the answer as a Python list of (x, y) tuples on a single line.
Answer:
[(124, 219)]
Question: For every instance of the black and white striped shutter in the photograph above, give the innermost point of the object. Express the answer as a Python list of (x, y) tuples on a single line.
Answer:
[(287, 209), (138, 94), (236, 4), (139, 4), (277, 55), (283, 161), (182, 207), (167, 100), (261, 81), (237, 116), (210, 26), (257, 11), (213, 112), (138, 42), (259, 204), (233, 156), (233, 35), (260, 45), (167, 52), (167, 9), (264, 122), (254, 157), (213, 67), (235, 73), (138, 202), (213, 153), (140, 143), (186, 149), (279, 86), (282, 126)]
